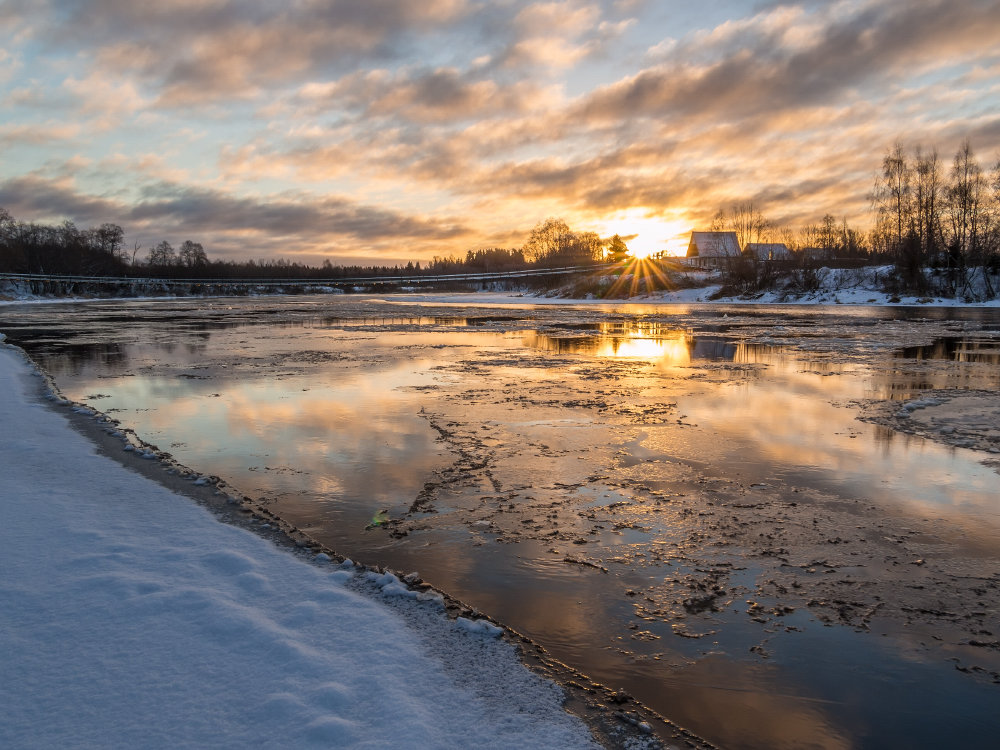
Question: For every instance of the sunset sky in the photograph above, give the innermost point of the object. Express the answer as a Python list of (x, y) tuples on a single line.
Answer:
[(380, 131)]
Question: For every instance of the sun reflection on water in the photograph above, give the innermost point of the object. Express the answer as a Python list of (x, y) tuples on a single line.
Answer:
[(651, 341), (675, 350)]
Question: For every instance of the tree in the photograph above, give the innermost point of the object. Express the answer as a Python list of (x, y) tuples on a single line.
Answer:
[(927, 199), (891, 198), (787, 236), (489, 259), (617, 249), (162, 255), (192, 254), (966, 196), (829, 235), (743, 218), (546, 239), (110, 239), (584, 248), (851, 241), (552, 242)]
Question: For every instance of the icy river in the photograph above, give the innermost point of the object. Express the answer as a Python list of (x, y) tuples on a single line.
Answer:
[(765, 523)]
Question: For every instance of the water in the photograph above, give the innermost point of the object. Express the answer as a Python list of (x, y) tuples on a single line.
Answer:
[(679, 501)]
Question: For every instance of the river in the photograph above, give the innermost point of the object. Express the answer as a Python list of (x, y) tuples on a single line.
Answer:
[(680, 501)]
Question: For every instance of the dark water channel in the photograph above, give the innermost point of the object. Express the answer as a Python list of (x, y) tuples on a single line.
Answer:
[(679, 501)]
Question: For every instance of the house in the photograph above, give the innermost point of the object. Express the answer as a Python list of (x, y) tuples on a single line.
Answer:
[(816, 254), (713, 249), (767, 251)]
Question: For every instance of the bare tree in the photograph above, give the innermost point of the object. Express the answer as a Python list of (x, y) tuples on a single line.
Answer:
[(829, 234), (743, 218), (748, 223), (972, 217), (192, 254), (162, 255), (928, 192), (965, 193), (785, 235), (553, 241), (110, 239), (892, 198), (546, 239)]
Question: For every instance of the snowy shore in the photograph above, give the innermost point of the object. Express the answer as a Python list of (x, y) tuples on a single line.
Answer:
[(130, 616), (829, 286)]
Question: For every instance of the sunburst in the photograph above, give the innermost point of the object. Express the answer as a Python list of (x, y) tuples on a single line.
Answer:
[(646, 235), (640, 275)]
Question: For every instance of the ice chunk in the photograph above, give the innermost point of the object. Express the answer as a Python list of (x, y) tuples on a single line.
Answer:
[(479, 627), (381, 579), (398, 589)]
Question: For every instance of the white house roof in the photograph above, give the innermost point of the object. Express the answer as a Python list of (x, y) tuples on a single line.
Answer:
[(714, 245), (768, 250)]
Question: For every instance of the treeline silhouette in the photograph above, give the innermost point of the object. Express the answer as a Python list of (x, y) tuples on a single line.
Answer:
[(947, 219), (65, 249)]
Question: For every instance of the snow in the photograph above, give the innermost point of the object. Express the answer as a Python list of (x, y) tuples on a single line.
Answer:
[(132, 617), (484, 627), (833, 286)]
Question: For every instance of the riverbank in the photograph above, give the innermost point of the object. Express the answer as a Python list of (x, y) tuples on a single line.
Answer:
[(645, 284), (132, 617)]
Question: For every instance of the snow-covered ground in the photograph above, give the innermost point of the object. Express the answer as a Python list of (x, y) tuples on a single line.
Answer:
[(131, 617), (827, 286)]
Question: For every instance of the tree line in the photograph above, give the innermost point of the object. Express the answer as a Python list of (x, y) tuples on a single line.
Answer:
[(936, 225), (27, 247), (948, 219), (65, 249)]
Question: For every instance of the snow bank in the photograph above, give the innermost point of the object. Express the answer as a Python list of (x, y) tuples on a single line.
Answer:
[(130, 617), (480, 627)]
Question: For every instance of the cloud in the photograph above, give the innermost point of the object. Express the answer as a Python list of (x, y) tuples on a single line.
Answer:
[(34, 198), (423, 96), (295, 223), (557, 35), (38, 134), (193, 52), (769, 63), (283, 216)]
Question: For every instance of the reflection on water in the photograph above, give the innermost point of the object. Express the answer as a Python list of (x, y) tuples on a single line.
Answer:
[(956, 349), (646, 340), (622, 485), (392, 321)]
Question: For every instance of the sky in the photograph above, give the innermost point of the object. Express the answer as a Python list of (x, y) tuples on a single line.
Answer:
[(386, 131)]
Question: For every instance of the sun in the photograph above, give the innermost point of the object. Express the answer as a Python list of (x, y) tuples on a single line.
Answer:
[(640, 251), (644, 234)]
